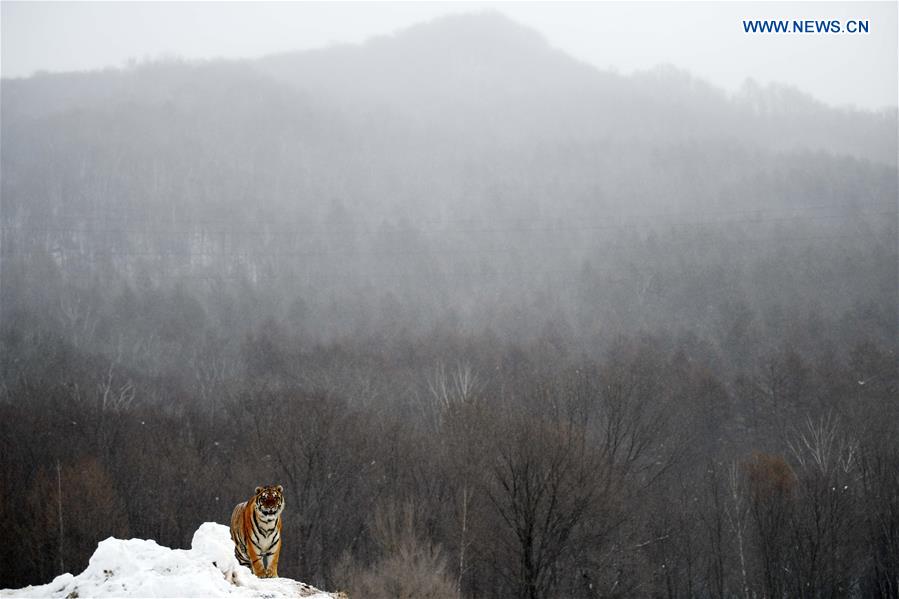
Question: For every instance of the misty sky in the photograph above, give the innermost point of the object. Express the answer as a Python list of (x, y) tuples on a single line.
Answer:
[(704, 38)]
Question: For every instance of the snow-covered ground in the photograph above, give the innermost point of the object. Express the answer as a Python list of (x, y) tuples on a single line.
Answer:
[(140, 568)]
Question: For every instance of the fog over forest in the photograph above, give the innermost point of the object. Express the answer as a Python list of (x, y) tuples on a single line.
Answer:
[(502, 324)]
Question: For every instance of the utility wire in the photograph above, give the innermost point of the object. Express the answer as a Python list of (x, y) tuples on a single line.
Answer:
[(530, 248), (552, 224)]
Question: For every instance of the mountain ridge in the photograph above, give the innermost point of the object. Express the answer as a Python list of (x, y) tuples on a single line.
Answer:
[(236, 138), (485, 72)]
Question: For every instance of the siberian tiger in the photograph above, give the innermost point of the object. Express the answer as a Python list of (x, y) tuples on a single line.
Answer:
[(256, 531)]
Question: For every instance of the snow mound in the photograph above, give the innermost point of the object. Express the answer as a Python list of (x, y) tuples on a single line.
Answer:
[(141, 568)]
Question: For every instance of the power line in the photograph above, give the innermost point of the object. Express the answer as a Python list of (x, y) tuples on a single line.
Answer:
[(618, 224), (529, 248), (553, 224)]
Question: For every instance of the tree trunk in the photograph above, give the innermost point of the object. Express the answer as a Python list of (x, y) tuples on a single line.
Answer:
[(62, 565)]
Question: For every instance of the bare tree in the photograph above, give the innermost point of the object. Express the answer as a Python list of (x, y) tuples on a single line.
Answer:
[(823, 522), (772, 494), (821, 447), (410, 566), (464, 436), (213, 368), (545, 481), (112, 395), (447, 391), (79, 316), (738, 519)]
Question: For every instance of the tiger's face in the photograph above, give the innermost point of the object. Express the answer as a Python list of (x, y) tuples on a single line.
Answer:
[(270, 500)]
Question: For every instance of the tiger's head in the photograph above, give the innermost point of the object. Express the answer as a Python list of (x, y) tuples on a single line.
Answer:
[(270, 500)]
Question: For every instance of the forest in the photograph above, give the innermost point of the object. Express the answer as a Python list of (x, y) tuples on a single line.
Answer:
[(502, 324)]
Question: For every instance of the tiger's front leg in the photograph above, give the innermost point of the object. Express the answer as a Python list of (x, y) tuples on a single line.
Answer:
[(273, 570), (256, 564), (259, 570), (269, 566)]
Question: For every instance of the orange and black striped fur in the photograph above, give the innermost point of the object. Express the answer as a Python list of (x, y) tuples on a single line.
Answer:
[(256, 531)]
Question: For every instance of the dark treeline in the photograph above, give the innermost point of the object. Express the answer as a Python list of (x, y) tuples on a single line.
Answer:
[(758, 458), (524, 330)]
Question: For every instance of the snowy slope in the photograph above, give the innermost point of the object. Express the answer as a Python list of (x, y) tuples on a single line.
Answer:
[(140, 568)]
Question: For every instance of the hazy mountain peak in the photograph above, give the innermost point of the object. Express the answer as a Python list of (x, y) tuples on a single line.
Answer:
[(452, 68), (470, 32)]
